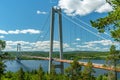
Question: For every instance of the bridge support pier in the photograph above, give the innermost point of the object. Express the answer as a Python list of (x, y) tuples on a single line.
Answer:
[(61, 65), (18, 52)]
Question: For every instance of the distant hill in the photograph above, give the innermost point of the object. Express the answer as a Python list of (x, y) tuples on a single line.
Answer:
[(67, 55)]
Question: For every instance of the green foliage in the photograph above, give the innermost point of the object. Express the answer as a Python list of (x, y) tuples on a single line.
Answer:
[(87, 73), (52, 74), (113, 56), (105, 78), (27, 76), (100, 77), (85, 55), (67, 55), (2, 65), (2, 44), (74, 71), (113, 59), (34, 71), (2, 68), (111, 22), (20, 74), (9, 74), (111, 76), (40, 74)]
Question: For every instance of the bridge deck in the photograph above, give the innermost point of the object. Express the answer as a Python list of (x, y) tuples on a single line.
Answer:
[(95, 65)]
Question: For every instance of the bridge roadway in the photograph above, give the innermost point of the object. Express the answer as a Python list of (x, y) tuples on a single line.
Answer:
[(95, 65)]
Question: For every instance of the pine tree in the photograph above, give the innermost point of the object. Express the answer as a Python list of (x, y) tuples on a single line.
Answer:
[(27, 76), (113, 59), (87, 73), (20, 74), (40, 74), (2, 65), (100, 77), (74, 71), (2, 68)]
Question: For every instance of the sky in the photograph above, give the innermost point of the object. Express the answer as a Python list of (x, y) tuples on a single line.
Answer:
[(28, 22)]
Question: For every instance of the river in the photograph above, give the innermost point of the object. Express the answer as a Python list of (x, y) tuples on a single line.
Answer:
[(29, 65)]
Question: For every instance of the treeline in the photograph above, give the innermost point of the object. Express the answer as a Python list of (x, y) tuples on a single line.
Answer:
[(73, 72), (67, 55), (85, 54)]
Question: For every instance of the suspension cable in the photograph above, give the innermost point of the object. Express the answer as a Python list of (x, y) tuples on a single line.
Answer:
[(43, 27), (83, 27), (89, 25)]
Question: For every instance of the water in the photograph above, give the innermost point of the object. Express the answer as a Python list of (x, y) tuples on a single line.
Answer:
[(29, 65), (94, 61)]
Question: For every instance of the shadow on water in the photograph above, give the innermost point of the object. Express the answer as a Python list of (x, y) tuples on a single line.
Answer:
[(21, 65)]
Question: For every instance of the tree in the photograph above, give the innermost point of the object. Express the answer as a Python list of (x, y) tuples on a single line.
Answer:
[(53, 74), (40, 74), (113, 59), (20, 74), (87, 73), (2, 68), (27, 76), (74, 71), (2, 44), (9, 74), (103, 77), (2, 65), (100, 77), (111, 22)]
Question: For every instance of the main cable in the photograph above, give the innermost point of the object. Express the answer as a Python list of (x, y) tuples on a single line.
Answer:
[(89, 25), (83, 27)]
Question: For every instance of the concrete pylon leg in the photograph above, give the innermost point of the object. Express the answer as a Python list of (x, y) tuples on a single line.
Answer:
[(61, 65)]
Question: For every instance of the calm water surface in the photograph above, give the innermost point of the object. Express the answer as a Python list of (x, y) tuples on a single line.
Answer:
[(28, 65)]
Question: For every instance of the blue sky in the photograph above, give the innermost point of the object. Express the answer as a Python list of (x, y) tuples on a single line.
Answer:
[(27, 22)]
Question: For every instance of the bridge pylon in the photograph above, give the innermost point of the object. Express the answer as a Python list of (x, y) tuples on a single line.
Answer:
[(57, 11), (18, 52)]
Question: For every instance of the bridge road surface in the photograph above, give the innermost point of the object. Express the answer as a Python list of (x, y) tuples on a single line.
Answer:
[(95, 65)]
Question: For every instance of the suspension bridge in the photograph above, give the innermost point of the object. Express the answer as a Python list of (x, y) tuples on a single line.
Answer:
[(95, 65), (56, 12)]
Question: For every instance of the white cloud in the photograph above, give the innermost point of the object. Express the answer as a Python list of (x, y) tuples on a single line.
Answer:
[(105, 8), (83, 7), (16, 42), (77, 39), (101, 45), (33, 46), (3, 32), (100, 42), (83, 46), (2, 36), (10, 48), (25, 31), (14, 32), (31, 31), (44, 45), (92, 48), (41, 12)]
